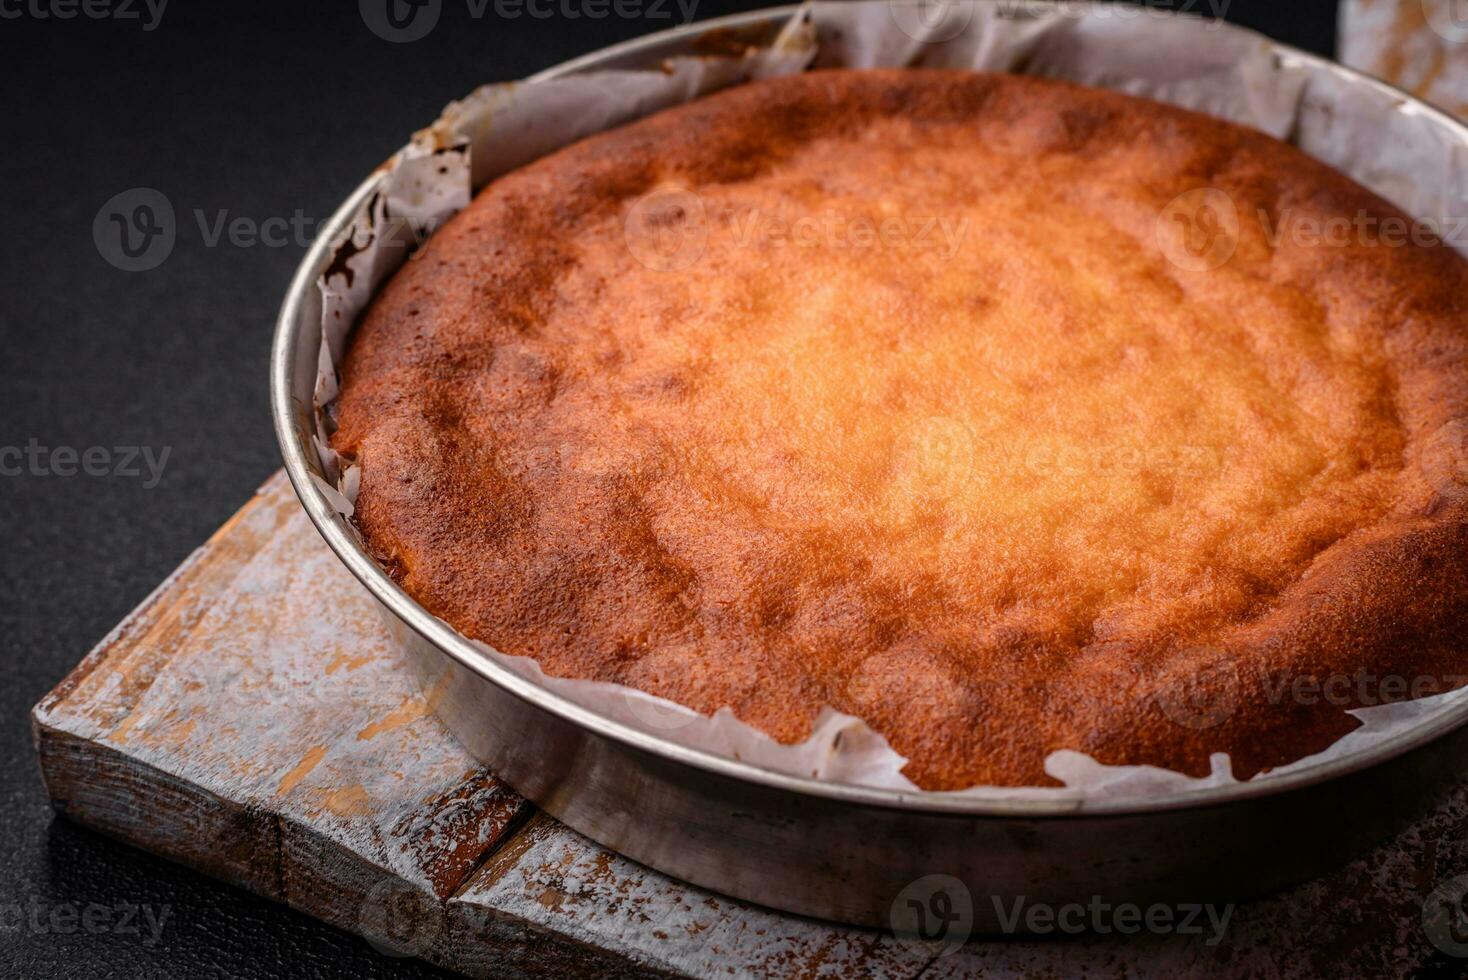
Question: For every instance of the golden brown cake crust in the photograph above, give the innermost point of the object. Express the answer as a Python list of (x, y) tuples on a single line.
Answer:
[(891, 390)]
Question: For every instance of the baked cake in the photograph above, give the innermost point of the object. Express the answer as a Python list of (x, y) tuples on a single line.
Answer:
[(1005, 414)]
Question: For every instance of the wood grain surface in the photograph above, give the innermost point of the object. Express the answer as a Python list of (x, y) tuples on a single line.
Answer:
[(251, 720)]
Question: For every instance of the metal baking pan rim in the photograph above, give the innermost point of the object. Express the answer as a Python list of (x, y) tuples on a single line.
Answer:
[(293, 423)]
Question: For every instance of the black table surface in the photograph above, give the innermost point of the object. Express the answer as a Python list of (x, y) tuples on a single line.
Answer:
[(245, 111)]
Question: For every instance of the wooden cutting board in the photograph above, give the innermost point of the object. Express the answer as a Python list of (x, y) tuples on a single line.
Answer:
[(252, 721)]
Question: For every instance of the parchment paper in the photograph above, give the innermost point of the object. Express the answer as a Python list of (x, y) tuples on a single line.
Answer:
[(1382, 140), (1420, 46)]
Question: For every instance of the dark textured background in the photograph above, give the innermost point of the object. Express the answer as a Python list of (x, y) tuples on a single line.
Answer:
[(254, 108)]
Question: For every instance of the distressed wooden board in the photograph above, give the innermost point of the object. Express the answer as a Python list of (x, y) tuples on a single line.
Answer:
[(1418, 45), (252, 721)]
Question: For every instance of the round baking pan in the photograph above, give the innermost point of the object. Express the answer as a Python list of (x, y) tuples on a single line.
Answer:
[(832, 850)]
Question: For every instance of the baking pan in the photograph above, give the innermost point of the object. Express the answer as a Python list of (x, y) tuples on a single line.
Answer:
[(838, 851)]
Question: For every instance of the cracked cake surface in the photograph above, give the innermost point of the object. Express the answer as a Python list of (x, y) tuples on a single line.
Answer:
[(1005, 414)]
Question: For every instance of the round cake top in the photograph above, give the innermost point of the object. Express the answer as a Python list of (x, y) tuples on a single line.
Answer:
[(1004, 414)]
